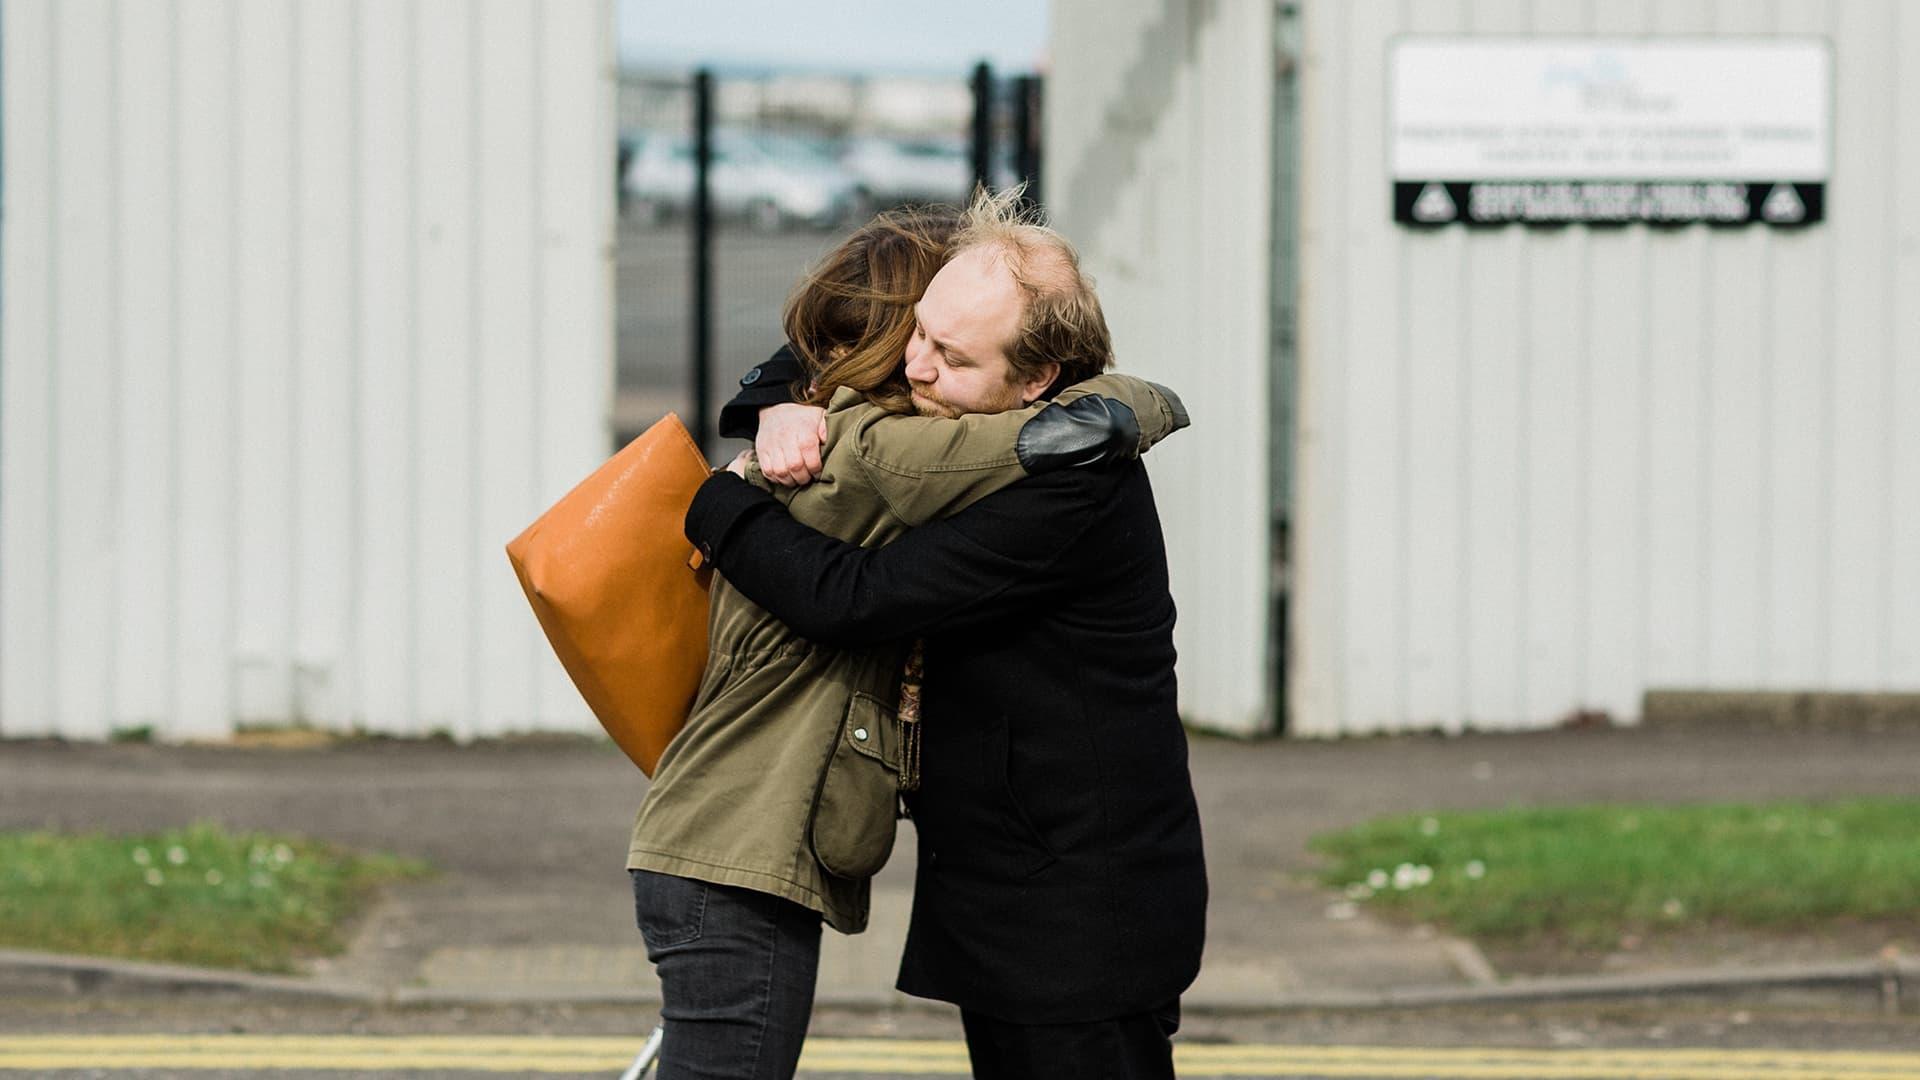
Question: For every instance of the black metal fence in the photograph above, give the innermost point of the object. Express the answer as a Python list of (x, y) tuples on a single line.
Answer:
[(731, 186)]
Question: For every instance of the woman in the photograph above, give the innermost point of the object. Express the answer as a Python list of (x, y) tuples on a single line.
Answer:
[(775, 805)]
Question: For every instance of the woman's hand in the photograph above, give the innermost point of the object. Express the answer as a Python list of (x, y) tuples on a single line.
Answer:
[(738, 466), (789, 443)]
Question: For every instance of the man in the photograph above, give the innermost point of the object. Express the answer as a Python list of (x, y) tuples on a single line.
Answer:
[(1060, 892)]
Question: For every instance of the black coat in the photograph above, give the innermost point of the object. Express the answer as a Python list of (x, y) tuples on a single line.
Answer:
[(1060, 873), (772, 382)]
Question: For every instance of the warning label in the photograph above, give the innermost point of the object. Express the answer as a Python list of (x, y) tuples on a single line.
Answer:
[(1597, 202)]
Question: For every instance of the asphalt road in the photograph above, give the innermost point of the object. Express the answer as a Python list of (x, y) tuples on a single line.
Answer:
[(198, 1038)]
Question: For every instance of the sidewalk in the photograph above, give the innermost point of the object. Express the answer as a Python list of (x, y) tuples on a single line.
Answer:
[(532, 902)]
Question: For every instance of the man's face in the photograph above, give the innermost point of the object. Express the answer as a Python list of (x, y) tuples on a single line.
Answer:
[(957, 359)]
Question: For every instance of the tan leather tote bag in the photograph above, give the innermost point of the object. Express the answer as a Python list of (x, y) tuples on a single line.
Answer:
[(621, 593)]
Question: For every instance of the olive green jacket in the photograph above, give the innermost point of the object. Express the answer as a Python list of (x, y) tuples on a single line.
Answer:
[(784, 778)]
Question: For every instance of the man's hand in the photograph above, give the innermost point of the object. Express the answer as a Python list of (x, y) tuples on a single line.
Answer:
[(738, 466), (789, 443)]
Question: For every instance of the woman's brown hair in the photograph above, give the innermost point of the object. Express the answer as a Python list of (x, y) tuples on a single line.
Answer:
[(850, 319)]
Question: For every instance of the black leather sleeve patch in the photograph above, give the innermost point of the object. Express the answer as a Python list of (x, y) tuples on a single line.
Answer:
[(1092, 430), (1175, 406)]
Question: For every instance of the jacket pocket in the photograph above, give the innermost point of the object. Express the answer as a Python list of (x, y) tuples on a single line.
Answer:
[(853, 820)]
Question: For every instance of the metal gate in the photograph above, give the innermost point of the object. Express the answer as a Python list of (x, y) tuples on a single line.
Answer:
[(732, 184)]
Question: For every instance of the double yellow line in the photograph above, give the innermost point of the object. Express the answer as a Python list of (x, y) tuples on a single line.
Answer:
[(897, 1057), (1487, 1063)]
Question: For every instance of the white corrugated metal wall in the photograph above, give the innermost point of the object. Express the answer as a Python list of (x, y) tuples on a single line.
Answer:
[(307, 312), (1538, 472), (1159, 138), (1545, 470)]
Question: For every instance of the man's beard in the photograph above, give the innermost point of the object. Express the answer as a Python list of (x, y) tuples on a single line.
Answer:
[(929, 405), (934, 410), (932, 404)]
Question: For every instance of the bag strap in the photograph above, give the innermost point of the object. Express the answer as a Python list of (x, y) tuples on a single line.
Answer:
[(909, 715)]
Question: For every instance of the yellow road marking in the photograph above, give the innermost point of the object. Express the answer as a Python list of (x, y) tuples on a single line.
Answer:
[(553, 1054), (1203, 1052), (1542, 1071)]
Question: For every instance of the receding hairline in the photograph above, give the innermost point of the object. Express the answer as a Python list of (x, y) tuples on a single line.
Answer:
[(1040, 260), (1060, 320)]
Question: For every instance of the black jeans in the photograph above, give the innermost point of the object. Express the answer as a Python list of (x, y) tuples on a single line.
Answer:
[(1136, 1047), (737, 970)]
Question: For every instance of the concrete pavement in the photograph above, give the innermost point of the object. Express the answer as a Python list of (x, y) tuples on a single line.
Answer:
[(532, 902)]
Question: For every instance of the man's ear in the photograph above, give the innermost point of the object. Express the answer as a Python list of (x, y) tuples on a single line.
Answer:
[(1031, 389)]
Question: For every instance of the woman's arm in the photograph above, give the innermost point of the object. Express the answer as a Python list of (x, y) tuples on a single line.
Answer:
[(928, 467)]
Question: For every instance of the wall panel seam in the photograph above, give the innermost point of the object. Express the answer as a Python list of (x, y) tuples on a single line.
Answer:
[(116, 365), (225, 667), (1400, 244), (358, 706), (296, 295), (56, 234), (1583, 488), (1643, 632), (1523, 483), (415, 373), (1463, 523), (1402, 491), (1829, 456), (1889, 378), (175, 363), (1704, 448), (1765, 583), (1340, 664), (537, 290), (476, 183), (1825, 440)]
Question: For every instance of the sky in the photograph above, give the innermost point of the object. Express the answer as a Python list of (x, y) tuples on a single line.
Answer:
[(878, 36)]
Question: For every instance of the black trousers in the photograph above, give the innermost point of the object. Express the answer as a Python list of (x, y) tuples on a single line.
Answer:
[(1136, 1047)]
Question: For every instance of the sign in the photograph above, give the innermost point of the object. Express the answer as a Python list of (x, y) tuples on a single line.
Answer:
[(1557, 130)]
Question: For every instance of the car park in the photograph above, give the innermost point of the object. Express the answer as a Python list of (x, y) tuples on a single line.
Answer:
[(766, 180), (896, 171)]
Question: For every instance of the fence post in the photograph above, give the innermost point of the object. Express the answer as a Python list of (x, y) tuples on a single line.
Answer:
[(702, 223), (983, 126), (1026, 135)]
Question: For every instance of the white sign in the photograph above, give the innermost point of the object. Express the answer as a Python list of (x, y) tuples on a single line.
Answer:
[(1614, 131)]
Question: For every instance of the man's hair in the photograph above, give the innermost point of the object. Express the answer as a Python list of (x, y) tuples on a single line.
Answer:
[(1060, 319), (851, 316)]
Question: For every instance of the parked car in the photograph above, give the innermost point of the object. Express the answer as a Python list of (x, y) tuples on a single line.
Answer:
[(895, 171), (921, 170), (770, 181)]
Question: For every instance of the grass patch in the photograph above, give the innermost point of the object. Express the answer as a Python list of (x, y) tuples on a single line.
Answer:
[(199, 895), (1585, 875)]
